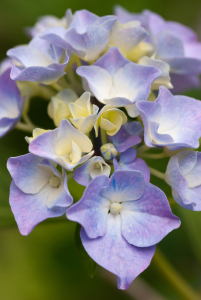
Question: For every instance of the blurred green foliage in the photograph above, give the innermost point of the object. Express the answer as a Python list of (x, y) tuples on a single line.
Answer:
[(45, 265)]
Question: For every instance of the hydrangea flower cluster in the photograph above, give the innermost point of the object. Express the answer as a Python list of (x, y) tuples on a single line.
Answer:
[(111, 83)]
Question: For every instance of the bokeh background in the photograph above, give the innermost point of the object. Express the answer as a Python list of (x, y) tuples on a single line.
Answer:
[(46, 265)]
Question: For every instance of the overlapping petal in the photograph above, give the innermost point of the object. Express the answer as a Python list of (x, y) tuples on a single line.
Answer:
[(94, 167), (11, 103), (127, 136), (118, 82), (38, 191), (128, 161), (87, 36)]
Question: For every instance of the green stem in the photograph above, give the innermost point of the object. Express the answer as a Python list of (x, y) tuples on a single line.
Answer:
[(28, 121), (103, 136), (142, 149), (157, 173), (70, 175), (174, 277), (153, 156), (25, 127)]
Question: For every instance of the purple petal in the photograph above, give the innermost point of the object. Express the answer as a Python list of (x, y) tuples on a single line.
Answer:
[(124, 186), (129, 142), (184, 65), (169, 46), (183, 32), (26, 173), (128, 156), (112, 61), (175, 179), (92, 209), (182, 83), (130, 163), (11, 103), (116, 255), (146, 221), (29, 210)]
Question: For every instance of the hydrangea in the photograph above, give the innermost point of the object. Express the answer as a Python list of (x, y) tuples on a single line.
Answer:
[(107, 80)]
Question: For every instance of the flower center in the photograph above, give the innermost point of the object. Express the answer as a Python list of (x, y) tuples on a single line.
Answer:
[(97, 166), (55, 182), (115, 208)]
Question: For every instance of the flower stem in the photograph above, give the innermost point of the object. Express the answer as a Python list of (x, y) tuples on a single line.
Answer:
[(174, 277), (157, 173), (142, 149), (70, 175), (25, 127), (153, 156), (103, 136)]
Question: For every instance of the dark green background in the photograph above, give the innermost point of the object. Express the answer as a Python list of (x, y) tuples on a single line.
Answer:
[(45, 265)]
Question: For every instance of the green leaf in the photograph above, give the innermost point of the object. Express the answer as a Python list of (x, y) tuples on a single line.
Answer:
[(88, 263)]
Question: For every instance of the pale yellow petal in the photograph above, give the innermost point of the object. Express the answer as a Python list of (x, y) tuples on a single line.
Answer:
[(76, 153), (107, 125)]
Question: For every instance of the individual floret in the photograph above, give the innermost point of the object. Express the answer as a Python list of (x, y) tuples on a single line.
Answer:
[(122, 219), (65, 145), (110, 119), (183, 174), (38, 191), (94, 167), (172, 121), (115, 80), (39, 61)]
